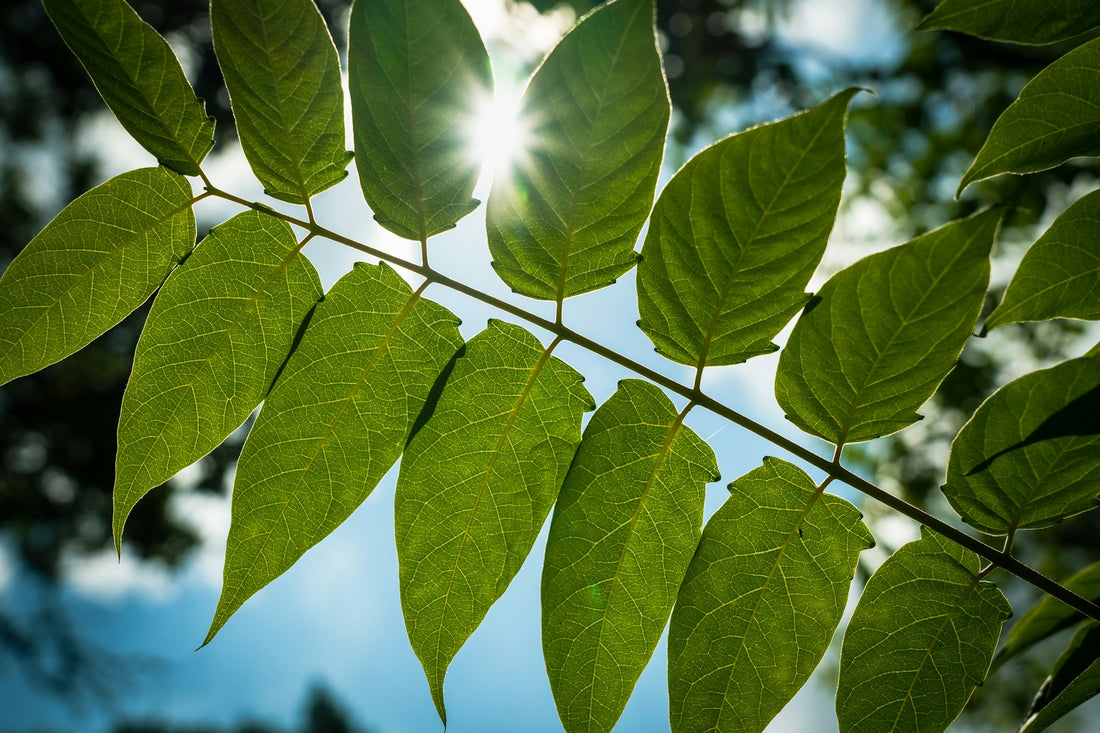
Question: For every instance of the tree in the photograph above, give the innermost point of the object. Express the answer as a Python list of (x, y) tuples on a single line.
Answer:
[(489, 429)]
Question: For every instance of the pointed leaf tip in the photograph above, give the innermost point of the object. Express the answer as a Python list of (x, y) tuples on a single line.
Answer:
[(238, 299), (333, 425), (1056, 117), (1035, 22), (624, 530), (736, 235), (476, 484), (904, 315), (157, 107), (97, 261)]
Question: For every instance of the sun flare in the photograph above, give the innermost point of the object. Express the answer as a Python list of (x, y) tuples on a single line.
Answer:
[(497, 132)]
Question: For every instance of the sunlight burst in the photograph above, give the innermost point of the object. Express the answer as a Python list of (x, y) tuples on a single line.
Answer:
[(497, 132)]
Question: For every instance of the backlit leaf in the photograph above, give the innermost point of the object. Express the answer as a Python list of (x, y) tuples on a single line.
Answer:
[(139, 77), (1055, 118), (920, 640), (97, 261), (415, 69), (624, 530), (1059, 276), (217, 333), (1074, 680), (1030, 455), (1018, 21), (761, 600), (283, 77), (335, 421), (566, 220), (476, 484), (736, 235), (1049, 616), (881, 335)]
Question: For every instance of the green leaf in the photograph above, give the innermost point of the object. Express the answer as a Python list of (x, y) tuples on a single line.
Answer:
[(1059, 276), (1074, 680), (138, 77), (761, 600), (624, 530), (1055, 118), (881, 335), (920, 640), (1049, 616), (334, 423), (283, 78), (217, 333), (736, 235), (1030, 455), (476, 484), (413, 68), (566, 221), (97, 261), (1018, 21)]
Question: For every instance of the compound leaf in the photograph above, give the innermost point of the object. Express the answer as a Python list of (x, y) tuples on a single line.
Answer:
[(1059, 276), (138, 77), (566, 220), (217, 333), (1049, 616), (881, 335), (476, 484), (1055, 118), (1075, 679), (761, 600), (1030, 455), (1017, 21), (335, 421), (736, 235), (97, 261), (920, 640), (413, 68), (624, 530), (283, 78)]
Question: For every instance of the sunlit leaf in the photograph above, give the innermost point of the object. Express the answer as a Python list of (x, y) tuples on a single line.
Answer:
[(920, 640), (283, 78), (881, 335), (1018, 21), (1030, 455), (761, 600), (335, 421), (1055, 118), (97, 261), (138, 77), (566, 220), (1049, 616), (217, 333), (476, 483), (415, 69), (736, 235), (1074, 680), (624, 530), (1059, 276)]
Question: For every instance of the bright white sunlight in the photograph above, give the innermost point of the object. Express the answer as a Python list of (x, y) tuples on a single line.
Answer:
[(498, 134)]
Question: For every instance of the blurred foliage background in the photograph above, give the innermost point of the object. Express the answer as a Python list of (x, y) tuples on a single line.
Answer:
[(936, 99)]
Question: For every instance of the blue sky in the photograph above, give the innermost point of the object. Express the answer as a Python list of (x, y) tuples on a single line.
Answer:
[(335, 618)]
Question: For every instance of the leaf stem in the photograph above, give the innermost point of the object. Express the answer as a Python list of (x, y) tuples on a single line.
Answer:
[(695, 396)]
